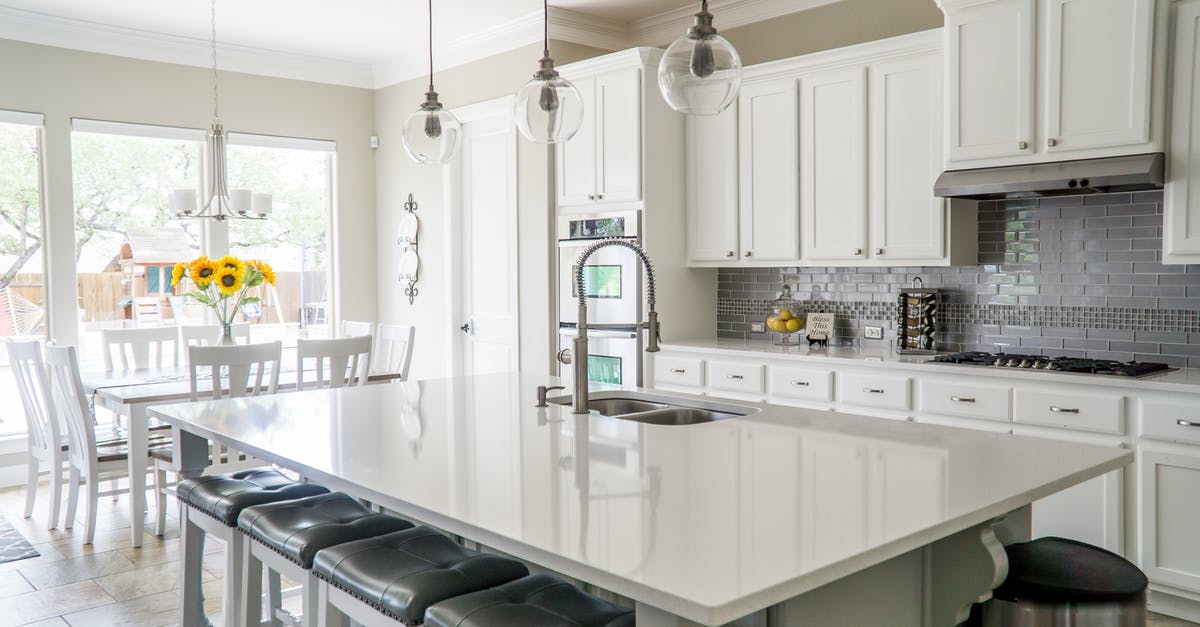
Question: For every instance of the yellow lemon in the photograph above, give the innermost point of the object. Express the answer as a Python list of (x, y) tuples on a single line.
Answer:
[(785, 314), (777, 325), (795, 324)]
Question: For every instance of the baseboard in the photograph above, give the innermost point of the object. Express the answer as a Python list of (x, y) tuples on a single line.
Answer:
[(1164, 602), (11, 476)]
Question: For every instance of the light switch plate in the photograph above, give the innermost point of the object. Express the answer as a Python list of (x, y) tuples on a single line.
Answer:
[(757, 327), (873, 333)]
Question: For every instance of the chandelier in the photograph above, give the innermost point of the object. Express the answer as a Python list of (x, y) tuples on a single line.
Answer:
[(220, 203)]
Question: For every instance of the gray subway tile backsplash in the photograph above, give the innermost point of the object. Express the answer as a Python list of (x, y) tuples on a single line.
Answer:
[(1072, 275)]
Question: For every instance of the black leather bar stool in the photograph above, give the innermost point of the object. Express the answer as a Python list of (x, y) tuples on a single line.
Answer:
[(286, 536), (1056, 582), (396, 577), (211, 505), (540, 599)]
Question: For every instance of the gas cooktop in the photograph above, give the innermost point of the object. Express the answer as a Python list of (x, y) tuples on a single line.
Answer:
[(1109, 367)]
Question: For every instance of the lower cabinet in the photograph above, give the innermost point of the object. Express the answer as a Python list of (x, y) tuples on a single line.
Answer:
[(1170, 514)]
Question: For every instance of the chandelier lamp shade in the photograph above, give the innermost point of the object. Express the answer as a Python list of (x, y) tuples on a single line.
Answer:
[(220, 203), (432, 134), (549, 109), (701, 72)]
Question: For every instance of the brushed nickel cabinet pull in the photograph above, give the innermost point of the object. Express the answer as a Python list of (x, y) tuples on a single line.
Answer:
[(678, 370), (873, 390), (802, 384), (962, 399), (1187, 423), (735, 376), (1064, 410)]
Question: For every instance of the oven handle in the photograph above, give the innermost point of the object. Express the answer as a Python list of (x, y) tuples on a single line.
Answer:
[(573, 332)]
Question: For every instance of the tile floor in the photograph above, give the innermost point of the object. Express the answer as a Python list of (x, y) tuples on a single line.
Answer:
[(108, 583)]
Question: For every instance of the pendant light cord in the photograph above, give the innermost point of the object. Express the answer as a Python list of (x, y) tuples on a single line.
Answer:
[(546, 27), (213, 24), (430, 45)]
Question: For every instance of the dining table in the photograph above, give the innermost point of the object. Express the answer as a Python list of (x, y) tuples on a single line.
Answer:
[(130, 393)]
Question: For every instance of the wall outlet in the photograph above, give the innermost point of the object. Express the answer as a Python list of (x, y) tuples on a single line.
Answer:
[(757, 327), (873, 333)]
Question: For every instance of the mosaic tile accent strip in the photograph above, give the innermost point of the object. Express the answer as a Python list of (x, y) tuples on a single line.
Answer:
[(1074, 275)]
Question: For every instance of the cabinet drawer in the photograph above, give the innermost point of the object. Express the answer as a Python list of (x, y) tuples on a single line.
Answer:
[(951, 398), (871, 390), (1169, 420), (1074, 409), (807, 384), (679, 371), (735, 377)]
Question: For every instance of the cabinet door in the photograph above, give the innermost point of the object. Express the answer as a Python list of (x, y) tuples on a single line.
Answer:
[(907, 220), (837, 507), (712, 192), (769, 174), (833, 164), (1170, 516), (1098, 56), (619, 133), (989, 72), (770, 543), (1181, 202), (577, 157)]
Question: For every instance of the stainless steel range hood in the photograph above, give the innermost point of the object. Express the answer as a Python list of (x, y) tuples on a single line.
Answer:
[(1060, 178)]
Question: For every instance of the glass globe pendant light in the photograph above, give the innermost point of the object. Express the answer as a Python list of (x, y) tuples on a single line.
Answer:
[(549, 109), (432, 134), (701, 72)]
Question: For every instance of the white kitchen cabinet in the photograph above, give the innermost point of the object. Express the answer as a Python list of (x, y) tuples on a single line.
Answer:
[(990, 79), (907, 221), (1098, 73), (1047, 80), (837, 486), (833, 164), (1181, 198), (602, 163), (767, 455), (768, 153), (712, 189), (1170, 515)]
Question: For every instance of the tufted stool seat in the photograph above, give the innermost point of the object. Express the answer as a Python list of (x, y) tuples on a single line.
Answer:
[(212, 504), (286, 536), (540, 599), (401, 574)]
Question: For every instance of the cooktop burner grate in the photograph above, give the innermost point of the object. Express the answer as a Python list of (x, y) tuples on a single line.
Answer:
[(1108, 367)]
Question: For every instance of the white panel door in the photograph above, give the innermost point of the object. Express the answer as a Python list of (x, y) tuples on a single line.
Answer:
[(1170, 516), (770, 542), (712, 186), (1181, 203), (990, 78), (913, 486), (837, 493), (576, 180), (487, 182), (833, 164), (1098, 70), (769, 172), (619, 133), (907, 220)]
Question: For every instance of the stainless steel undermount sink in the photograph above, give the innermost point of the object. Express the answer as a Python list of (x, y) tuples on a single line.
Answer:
[(657, 409)]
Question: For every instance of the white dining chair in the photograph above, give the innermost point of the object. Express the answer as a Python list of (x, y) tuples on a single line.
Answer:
[(346, 360), (351, 328), (210, 334), (88, 462), (393, 351), (44, 441), (134, 346)]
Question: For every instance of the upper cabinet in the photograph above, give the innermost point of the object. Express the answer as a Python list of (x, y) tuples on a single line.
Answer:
[(1181, 199), (601, 164), (1047, 80), (829, 159)]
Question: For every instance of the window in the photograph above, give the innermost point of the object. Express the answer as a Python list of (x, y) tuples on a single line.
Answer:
[(125, 232), (22, 281), (295, 238)]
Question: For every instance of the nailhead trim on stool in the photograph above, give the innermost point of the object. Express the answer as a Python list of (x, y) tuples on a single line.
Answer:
[(541, 600), (403, 573), (298, 529), (225, 496)]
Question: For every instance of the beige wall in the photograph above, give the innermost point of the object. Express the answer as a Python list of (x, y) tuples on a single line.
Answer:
[(831, 26), (397, 176), (63, 84)]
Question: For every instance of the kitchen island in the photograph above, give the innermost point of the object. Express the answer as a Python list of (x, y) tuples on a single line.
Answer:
[(775, 516)]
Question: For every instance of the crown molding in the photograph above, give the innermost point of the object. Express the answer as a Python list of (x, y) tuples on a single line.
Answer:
[(50, 30), (662, 29)]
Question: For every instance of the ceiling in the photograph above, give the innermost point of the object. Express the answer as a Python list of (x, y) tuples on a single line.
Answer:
[(368, 43)]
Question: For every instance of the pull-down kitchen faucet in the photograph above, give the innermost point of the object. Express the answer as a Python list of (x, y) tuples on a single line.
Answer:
[(580, 351)]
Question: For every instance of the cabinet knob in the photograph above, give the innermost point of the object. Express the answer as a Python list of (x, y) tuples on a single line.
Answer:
[(1051, 142), (599, 196), (1022, 145), (749, 253), (878, 251), (857, 251), (730, 253), (591, 197)]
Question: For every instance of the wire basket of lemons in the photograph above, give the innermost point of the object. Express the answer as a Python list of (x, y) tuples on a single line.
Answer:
[(784, 317)]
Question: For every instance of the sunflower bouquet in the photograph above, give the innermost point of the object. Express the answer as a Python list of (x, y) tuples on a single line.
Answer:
[(223, 284)]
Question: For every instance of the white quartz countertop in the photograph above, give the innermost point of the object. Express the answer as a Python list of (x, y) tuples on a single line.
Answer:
[(1180, 380), (710, 521)]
